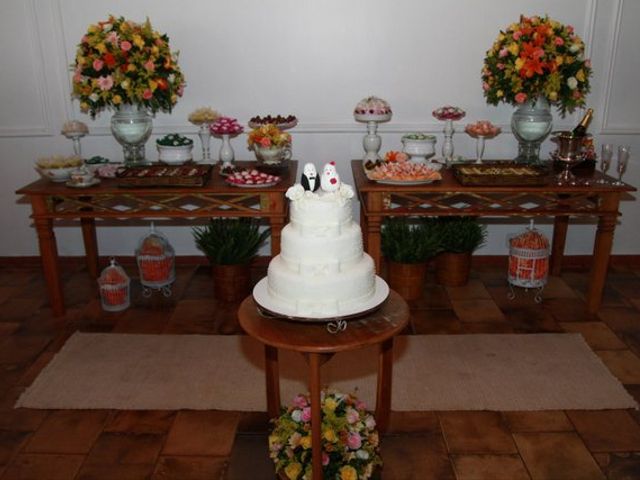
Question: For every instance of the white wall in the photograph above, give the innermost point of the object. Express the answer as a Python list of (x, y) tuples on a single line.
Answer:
[(311, 58)]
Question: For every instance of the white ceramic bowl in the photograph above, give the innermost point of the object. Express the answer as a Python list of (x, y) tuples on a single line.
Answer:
[(421, 148), (175, 154), (57, 175)]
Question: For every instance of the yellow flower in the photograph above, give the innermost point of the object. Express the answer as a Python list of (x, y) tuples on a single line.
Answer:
[(93, 28), (501, 37), (101, 47), (519, 63), (580, 75), (553, 96), (348, 473), (559, 60), (131, 68), (84, 106), (513, 48), (138, 41), (306, 442), (330, 435), (499, 93), (155, 50), (330, 404), (153, 85), (117, 99), (293, 470)]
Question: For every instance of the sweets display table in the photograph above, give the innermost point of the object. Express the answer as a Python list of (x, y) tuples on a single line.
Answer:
[(318, 346), (56, 201), (450, 198)]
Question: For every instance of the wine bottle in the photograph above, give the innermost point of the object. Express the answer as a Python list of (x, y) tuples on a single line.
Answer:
[(581, 129)]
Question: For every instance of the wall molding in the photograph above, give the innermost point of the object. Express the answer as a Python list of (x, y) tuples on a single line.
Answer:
[(36, 44), (607, 128)]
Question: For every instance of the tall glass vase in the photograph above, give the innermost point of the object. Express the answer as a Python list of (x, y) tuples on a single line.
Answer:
[(531, 123), (131, 126)]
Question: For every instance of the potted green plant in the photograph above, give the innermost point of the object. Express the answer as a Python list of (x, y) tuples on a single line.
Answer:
[(459, 237), (230, 244), (408, 245)]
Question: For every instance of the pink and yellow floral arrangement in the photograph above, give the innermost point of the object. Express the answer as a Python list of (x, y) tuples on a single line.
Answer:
[(119, 62), (268, 136), (350, 442), (537, 56)]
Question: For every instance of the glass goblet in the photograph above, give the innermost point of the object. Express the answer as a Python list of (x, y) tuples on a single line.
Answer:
[(606, 154), (624, 152)]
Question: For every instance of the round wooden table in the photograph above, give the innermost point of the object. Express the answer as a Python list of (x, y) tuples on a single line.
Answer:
[(318, 346)]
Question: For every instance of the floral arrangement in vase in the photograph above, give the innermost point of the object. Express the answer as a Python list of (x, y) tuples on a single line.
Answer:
[(268, 136), (537, 57), (120, 62), (350, 442)]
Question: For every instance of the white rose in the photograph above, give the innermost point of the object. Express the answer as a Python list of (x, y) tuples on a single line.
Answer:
[(574, 48), (362, 454), (295, 192), (296, 415), (106, 27), (572, 83), (94, 97), (370, 422), (346, 191)]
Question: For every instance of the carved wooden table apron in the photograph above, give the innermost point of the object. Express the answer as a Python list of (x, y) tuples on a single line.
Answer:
[(449, 198), (318, 346), (55, 201)]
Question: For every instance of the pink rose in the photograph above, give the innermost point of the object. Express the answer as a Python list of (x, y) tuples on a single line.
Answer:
[(125, 45), (306, 414), (500, 66), (569, 29), (360, 405), (265, 142), (485, 86), (112, 37), (521, 97), (352, 415), (98, 64), (354, 441), (300, 401), (558, 41), (517, 34), (77, 76), (503, 53), (105, 83), (147, 94), (149, 66), (587, 63), (325, 459)]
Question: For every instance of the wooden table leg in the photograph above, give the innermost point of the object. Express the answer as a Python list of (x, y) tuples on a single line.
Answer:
[(274, 203), (272, 375), (600, 261), (560, 225), (90, 245), (316, 414), (383, 392), (49, 255)]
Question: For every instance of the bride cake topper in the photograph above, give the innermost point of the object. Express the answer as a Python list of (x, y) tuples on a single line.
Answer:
[(330, 180)]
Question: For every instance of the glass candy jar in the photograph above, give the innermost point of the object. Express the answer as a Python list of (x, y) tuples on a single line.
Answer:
[(156, 263), (114, 288)]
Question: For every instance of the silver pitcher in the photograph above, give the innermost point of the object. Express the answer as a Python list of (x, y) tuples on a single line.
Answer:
[(569, 146)]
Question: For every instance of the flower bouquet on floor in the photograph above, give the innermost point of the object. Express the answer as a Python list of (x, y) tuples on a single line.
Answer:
[(350, 442)]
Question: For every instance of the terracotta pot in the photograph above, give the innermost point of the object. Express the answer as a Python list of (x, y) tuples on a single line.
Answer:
[(231, 282), (407, 279), (452, 269)]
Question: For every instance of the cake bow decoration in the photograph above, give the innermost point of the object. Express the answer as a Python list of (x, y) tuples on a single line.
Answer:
[(310, 180), (330, 180)]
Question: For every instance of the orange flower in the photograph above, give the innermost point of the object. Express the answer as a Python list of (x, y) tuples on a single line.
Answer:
[(531, 67)]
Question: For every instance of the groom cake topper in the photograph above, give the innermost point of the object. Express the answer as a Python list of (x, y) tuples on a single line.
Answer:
[(310, 180)]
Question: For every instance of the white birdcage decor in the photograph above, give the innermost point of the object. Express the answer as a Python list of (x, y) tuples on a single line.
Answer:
[(114, 288), (156, 263), (528, 261)]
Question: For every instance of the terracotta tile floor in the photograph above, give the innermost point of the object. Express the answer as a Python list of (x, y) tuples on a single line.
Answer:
[(187, 445)]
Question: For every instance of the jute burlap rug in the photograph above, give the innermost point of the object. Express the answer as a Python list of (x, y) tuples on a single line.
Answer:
[(431, 372)]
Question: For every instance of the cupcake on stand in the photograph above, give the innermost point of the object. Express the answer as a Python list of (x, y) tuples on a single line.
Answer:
[(448, 114), (203, 117), (372, 111)]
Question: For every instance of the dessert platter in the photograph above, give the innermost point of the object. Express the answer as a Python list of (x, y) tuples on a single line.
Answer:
[(501, 173), (372, 109), (322, 273), (283, 122), (405, 173), (252, 178), (159, 175)]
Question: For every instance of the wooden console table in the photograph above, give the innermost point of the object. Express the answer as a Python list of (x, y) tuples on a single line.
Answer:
[(449, 198), (318, 346), (55, 201)]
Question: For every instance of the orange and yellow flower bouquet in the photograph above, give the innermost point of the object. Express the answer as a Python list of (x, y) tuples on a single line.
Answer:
[(537, 56), (120, 62)]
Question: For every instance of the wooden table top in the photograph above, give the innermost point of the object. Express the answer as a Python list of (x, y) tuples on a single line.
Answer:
[(312, 337)]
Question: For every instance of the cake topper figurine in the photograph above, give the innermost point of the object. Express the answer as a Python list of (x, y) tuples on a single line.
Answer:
[(309, 180), (330, 180)]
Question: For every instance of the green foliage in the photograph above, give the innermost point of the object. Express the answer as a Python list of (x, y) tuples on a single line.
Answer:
[(407, 241), (460, 234), (230, 241)]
